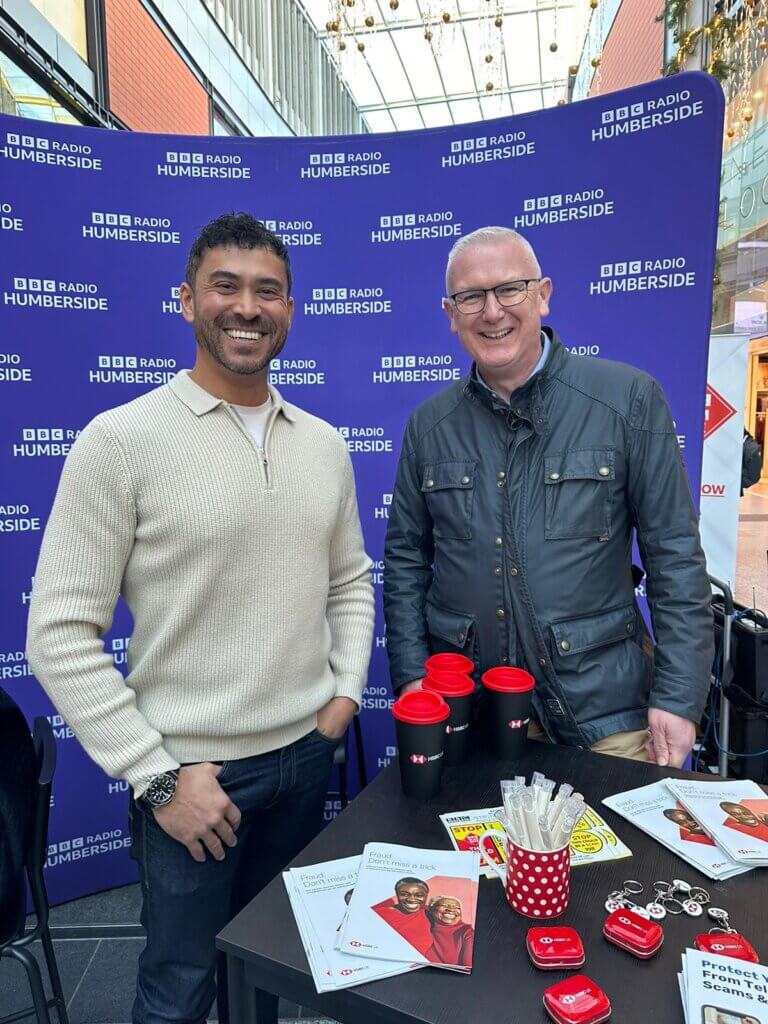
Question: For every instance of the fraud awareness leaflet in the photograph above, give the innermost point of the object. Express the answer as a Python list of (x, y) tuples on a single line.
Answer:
[(721, 990), (317, 895), (649, 809), (734, 813), (414, 905)]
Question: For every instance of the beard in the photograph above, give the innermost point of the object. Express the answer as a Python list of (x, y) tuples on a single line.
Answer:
[(210, 335)]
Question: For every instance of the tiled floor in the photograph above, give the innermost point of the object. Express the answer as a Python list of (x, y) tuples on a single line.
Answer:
[(99, 975), (752, 551)]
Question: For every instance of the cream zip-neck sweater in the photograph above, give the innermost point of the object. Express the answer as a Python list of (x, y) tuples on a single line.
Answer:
[(244, 571)]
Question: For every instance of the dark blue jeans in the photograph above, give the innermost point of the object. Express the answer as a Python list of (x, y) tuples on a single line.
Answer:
[(281, 797)]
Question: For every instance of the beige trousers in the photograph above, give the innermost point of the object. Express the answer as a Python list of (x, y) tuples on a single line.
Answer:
[(620, 744)]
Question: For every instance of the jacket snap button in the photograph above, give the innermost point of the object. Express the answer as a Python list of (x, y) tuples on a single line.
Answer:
[(501, 475), (500, 613), (554, 476), (604, 471), (498, 541), (430, 483), (461, 638), (497, 571), (543, 662), (513, 570), (565, 645), (630, 627), (465, 479)]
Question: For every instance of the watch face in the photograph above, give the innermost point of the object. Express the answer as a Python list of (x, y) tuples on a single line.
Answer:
[(161, 789)]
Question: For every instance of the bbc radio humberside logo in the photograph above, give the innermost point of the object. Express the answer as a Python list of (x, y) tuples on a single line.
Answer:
[(172, 305), (295, 371), (484, 148), (295, 232), (8, 222), (129, 227), (201, 164), (129, 369), (341, 164), (39, 442), (411, 227), (18, 518), (48, 293), (646, 114), (81, 847), (13, 664), (37, 149), (12, 370), (347, 302), (416, 369), (364, 440), (564, 206), (642, 276)]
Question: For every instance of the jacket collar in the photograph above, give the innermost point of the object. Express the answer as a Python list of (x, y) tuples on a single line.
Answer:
[(527, 403), (201, 401)]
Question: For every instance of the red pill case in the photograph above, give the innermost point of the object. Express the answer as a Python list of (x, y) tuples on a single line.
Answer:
[(577, 1000), (633, 933), (727, 944), (553, 949)]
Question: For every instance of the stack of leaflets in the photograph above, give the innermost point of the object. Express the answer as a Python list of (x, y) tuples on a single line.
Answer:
[(319, 898), (393, 910), (592, 840), (657, 811), (721, 990), (734, 814)]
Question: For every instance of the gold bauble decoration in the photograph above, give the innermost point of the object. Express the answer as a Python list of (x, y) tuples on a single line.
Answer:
[(553, 47), (446, 17), (334, 26), (394, 4), (593, 4), (748, 115), (342, 45), (369, 22), (428, 36), (489, 86), (573, 69), (361, 47), (763, 44), (762, 22), (595, 62), (561, 103), (350, 3), (329, 26), (499, 22), (489, 58), (730, 133)]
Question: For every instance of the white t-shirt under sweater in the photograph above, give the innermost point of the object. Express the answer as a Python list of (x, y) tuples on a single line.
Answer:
[(244, 571), (255, 418)]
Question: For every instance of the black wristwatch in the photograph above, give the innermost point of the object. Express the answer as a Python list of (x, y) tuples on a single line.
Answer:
[(161, 789)]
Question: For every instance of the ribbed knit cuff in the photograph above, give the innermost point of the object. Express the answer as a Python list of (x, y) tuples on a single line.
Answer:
[(352, 687), (138, 775)]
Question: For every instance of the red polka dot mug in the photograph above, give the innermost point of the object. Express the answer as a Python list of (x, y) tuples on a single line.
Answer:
[(536, 882)]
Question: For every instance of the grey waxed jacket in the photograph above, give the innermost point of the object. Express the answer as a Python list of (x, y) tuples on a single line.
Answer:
[(510, 540)]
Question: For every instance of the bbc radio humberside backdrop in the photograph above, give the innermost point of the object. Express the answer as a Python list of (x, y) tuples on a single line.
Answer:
[(618, 195)]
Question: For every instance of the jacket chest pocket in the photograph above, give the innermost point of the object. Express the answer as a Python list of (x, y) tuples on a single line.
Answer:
[(448, 489), (577, 490)]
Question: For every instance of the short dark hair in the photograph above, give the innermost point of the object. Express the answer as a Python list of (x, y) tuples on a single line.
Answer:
[(242, 230), (408, 880)]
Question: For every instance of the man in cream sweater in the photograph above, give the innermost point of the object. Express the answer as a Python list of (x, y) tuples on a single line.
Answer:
[(227, 519)]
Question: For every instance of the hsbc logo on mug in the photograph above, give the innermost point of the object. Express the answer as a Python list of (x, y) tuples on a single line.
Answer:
[(424, 758), (517, 723)]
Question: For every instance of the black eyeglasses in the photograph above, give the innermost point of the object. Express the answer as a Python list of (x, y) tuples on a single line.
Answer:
[(511, 293)]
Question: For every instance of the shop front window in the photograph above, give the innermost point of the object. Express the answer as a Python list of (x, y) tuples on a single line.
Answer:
[(22, 96)]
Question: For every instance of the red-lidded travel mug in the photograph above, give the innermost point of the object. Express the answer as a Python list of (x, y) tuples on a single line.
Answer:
[(420, 718), (449, 663), (507, 710), (457, 691)]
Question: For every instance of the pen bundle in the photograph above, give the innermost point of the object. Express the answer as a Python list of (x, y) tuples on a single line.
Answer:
[(535, 816)]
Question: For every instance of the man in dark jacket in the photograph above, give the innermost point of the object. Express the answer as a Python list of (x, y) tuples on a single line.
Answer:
[(510, 531)]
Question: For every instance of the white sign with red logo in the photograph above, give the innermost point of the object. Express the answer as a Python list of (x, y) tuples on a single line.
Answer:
[(721, 460)]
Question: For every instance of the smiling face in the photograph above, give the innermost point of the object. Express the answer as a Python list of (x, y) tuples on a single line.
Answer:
[(411, 896), (240, 309), (447, 911), (505, 342), (740, 814)]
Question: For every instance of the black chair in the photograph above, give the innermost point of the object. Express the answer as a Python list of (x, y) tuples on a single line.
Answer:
[(340, 758), (17, 947)]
